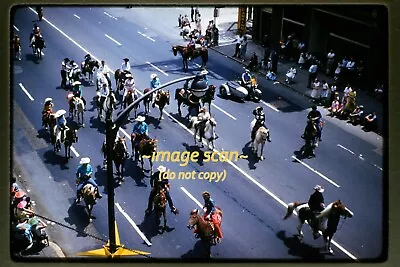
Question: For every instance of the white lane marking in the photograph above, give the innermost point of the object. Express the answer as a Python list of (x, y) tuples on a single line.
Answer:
[(41, 52), (269, 105), (125, 133), (339, 145), (213, 73), (144, 35), (112, 39), (74, 151), (378, 167), (110, 15), (133, 224), (315, 171), (150, 38), (157, 68), (15, 27), (185, 128), (26, 92), (223, 111), (76, 16), (191, 197)]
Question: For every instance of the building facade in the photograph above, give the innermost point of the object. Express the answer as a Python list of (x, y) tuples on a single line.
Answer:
[(354, 31)]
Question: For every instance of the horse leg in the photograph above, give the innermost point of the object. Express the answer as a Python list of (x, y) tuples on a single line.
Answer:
[(141, 162), (161, 116), (164, 213), (151, 167), (262, 149), (89, 209), (83, 123), (299, 231), (179, 109)]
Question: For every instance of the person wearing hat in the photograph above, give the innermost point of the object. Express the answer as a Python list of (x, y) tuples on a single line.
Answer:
[(209, 209), (84, 176), (126, 66), (88, 58), (246, 78), (106, 71), (74, 71), (259, 116), (140, 129), (202, 118), (104, 92), (77, 91), (65, 68), (316, 203), (315, 116), (157, 183), (356, 115), (47, 111), (129, 85), (61, 123), (154, 83)]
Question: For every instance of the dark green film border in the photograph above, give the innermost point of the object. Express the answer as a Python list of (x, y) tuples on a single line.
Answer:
[(390, 153)]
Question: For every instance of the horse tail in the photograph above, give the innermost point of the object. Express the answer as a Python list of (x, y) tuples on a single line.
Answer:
[(290, 209)]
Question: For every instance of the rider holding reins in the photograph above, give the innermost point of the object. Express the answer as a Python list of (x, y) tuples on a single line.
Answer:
[(259, 116), (316, 203), (140, 129), (209, 209), (77, 91), (129, 85), (106, 71), (61, 123), (84, 176), (154, 83), (104, 92), (65, 68), (157, 183), (47, 111), (315, 116)]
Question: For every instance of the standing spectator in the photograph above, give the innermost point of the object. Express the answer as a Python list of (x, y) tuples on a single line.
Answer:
[(315, 89), (301, 46), (370, 122), (215, 35), (266, 57), (312, 73), (196, 14), (325, 93), (191, 13), (350, 70), (266, 41), (180, 21), (338, 70), (243, 48), (274, 61), (347, 91), (185, 21), (302, 60), (334, 92), (198, 24), (329, 63), (238, 41)]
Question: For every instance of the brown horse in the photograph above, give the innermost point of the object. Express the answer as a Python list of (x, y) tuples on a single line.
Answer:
[(147, 100), (120, 78), (208, 231), (143, 147), (162, 99), (186, 53), (160, 204), (119, 155), (209, 97), (188, 99), (89, 196), (129, 98)]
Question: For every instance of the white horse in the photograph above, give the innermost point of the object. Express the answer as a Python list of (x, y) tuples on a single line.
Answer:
[(57, 134), (100, 80), (261, 136), (109, 104), (78, 110), (326, 222), (206, 128)]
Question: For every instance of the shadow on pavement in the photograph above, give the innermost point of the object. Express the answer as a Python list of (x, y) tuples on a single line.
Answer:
[(50, 157), (44, 134), (150, 228), (134, 171), (194, 148), (247, 151), (296, 248), (198, 252), (77, 215), (98, 124)]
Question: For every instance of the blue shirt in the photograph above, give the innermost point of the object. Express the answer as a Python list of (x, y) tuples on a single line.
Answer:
[(210, 206), (141, 128), (77, 90), (155, 83), (61, 122), (84, 170)]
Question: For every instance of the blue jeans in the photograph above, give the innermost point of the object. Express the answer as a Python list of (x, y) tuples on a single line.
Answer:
[(82, 183)]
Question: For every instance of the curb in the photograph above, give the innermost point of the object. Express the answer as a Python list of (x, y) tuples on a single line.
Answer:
[(57, 249)]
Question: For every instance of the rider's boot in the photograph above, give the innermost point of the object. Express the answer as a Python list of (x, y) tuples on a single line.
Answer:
[(253, 134), (149, 206), (269, 137), (98, 195), (174, 210), (62, 136), (78, 197)]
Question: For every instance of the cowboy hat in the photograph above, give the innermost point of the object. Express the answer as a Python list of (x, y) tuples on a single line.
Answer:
[(153, 75), (60, 113), (128, 75), (140, 118), (319, 188), (205, 193), (126, 59), (84, 161), (76, 83), (48, 99), (66, 59), (19, 194), (161, 168)]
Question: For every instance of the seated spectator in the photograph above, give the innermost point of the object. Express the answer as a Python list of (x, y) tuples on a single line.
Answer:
[(291, 74), (356, 115), (335, 107), (253, 62), (271, 75), (370, 122)]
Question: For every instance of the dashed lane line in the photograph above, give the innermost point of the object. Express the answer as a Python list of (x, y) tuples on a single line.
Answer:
[(345, 149), (74, 151), (26, 92), (15, 27), (191, 197), (360, 157), (223, 111), (110, 15), (315, 171), (112, 39), (133, 224), (157, 68), (184, 127), (144, 35), (76, 16), (269, 105)]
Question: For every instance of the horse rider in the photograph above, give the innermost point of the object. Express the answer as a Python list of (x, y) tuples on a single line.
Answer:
[(104, 92), (259, 116), (47, 111), (191, 46), (35, 31), (36, 34), (83, 176), (246, 81), (200, 81), (158, 183), (126, 66), (140, 129), (65, 68), (316, 202), (202, 118), (209, 209), (106, 71), (154, 83), (88, 58), (16, 43), (61, 123), (315, 116), (77, 91), (129, 85)]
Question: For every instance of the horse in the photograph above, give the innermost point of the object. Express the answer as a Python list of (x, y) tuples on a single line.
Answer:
[(89, 192), (38, 45), (71, 137), (109, 104), (310, 139), (262, 135), (77, 108), (129, 98), (119, 155), (143, 147), (56, 140), (160, 204), (331, 213), (208, 231), (147, 100), (87, 69), (185, 53), (189, 100), (206, 128), (120, 78), (162, 99), (209, 97), (100, 80)]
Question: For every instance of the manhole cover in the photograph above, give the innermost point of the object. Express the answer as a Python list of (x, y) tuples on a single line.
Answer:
[(17, 69)]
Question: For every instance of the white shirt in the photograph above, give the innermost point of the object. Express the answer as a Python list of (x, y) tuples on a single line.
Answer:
[(129, 84), (104, 91), (105, 69), (347, 90), (126, 66), (325, 86), (204, 116), (350, 65), (239, 40), (331, 55), (333, 88), (313, 69), (64, 66)]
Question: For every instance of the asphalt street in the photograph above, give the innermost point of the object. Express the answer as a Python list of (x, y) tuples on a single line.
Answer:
[(348, 163)]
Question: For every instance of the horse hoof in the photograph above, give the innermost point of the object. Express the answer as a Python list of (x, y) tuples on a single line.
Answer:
[(90, 220), (261, 158), (83, 125)]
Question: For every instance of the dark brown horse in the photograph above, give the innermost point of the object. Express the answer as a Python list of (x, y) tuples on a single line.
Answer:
[(120, 154), (147, 100), (160, 204), (186, 53), (188, 99), (143, 146), (120, 78), (162, 99), (70, 138), (209, 97), (129, 98)]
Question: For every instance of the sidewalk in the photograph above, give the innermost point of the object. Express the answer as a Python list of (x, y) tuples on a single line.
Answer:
[(300, 83)]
